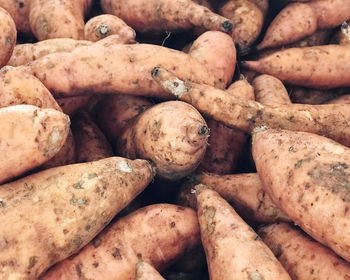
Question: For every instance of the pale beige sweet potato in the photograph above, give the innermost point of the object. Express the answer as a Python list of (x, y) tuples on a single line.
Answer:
[(51, 19), (60, 210), (8, 34), (233, 249), (18, 9), (172, 134), (29, 137), (144, 271), (70, 105), (105, 25), (306, 175), (330, 120), (126, 68), (303, 257), (25, 53), (243, 191), (169, 230), (90, 142), (160, 15), (113, 113)]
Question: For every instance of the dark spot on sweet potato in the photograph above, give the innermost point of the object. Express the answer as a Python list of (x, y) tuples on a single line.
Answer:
[(172, 224), (95, 264), (78, 270), (32, 261), (116, 254), (96, 242)]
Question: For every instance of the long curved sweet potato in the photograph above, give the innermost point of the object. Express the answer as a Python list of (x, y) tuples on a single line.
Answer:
[(8, 35)]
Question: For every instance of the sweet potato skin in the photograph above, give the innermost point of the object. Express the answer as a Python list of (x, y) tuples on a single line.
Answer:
[(303, 173), (70, 105), (19, 13), (145, 271), (168, 229), (303, 257), (8, 35)]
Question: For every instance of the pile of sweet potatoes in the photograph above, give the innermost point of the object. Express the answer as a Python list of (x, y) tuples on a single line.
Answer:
[(175, 139)]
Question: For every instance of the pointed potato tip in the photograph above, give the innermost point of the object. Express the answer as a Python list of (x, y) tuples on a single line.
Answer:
[(259, 129), (197, 189), (227, 26), (155, 71)]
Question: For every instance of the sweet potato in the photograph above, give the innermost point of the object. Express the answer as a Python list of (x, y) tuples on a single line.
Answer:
[(60, 210), (29, 137), (113, 113), (113, 254), (126, 67), (243, 191), (306, 175), (233, 249), (263, 5), (50, 19), (345, 99), (302, 257), (159, 15), (330, 120), (90, 142), (19, 13), (8, 34), (318, 67), (105, 25), (145, 271), (70, 105), (25, 53), (176, 152), (342, 37)]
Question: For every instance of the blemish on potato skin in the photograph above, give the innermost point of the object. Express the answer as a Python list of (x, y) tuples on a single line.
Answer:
[(32, 261), (209, 214), (117, 254)]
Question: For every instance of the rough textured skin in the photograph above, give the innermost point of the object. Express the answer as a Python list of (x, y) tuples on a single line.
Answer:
[(58, 18), (233, 249), (90, 142), (113, 113), (160, 15), (8, 34), (243, 191), (302, 257), (145, 271), (18, 9), (306, 175), (330, 120), (270, 91), (157, 234), (25, 53), (318, 67), (70, 105), (60, 210), (247, 19), (263, 5), (125, 68), (172, 134), (105, 25), (29, 136)]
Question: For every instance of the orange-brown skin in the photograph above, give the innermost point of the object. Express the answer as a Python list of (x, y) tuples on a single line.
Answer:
[(225, 143), (172, 134), (243, 191), (25, 53), (144, 271), (171, 15), (317, 67), (303, 257), (58, 18), (270, 91), (247, 19), (204, 3), (342, 37), (305, 95), (113, 113), (105, 25), (157, 234), (60, 210), (90, 142), (233, 249), (8, 35), (330, 120), (126, 68), (18, 9), (306, 175), (263, 5), (29, 137), (70, 105)]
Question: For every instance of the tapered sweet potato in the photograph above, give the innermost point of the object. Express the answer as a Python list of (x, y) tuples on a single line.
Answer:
[(176, 152), (113, 254), (160, 15), (145, 271), (302, 257), (233, 249), (342, 37), (50, 19), (90, 142), (58, 211), (105, 25), (19, 13), (330, 120), (8, 34), (70, 105), (303, 173), (29, 137)]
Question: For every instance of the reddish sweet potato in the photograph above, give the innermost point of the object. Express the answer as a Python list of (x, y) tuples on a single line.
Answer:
[(19, 13), (70, 105), (8, 34)]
